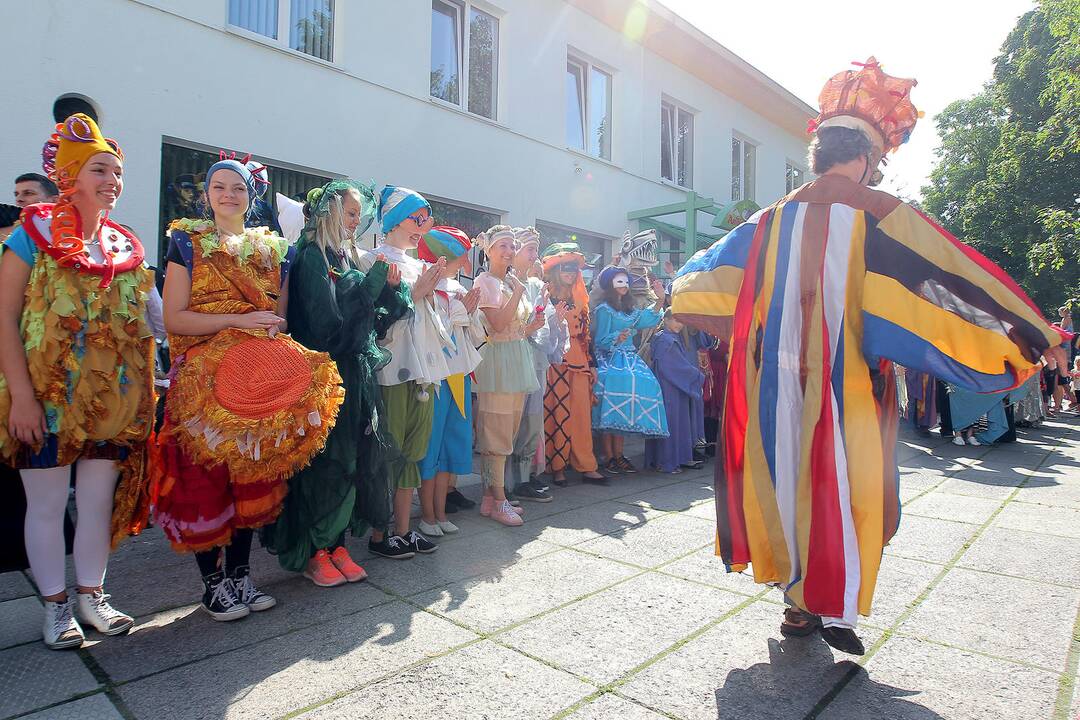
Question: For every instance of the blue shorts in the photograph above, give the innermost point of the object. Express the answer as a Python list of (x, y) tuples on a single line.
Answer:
[(450, 449)]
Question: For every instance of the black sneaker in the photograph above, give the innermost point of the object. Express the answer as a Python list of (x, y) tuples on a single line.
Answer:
[(418, 543), (612, 467), (246, 591), (220, 600), (526, 491), (391, 546), (626, 466), (462, 502), (538, 484)]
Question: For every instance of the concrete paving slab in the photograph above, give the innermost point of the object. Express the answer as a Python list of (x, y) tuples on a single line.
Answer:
[(20, 621), (289, 673), (584, 523), (94, 707), (1040, 518), (14, 585), (524, 590), (912, 680), (480, 681), (680, 496), (742, 668), (706, 567), (1007, 617), (943, 506), (605, 636), (610, 706), (654, 542), (900, 582), (1030, 555), (33, 677), (484, 556), (1059, 491), (704, 510), (190, 634), (923, 538)]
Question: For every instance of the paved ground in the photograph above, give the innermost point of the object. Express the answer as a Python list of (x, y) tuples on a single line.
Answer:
[(608, 603)]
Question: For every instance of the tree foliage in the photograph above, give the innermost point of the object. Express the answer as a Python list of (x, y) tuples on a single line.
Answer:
[(1007, 179)]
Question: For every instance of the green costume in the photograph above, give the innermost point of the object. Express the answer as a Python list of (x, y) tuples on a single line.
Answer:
[(335, 308)]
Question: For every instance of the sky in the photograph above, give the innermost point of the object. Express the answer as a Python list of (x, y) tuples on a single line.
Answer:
[(949, 46)]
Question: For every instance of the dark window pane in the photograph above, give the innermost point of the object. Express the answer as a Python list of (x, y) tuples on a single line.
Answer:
[(575, 88), (667, 144), (599, 114)]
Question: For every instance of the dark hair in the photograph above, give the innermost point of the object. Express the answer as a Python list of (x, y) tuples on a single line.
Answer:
[(623, 304), (47, 186), (835, 146)]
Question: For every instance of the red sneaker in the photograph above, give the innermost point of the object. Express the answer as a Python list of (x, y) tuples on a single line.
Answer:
[(321, 571), (346, 566)]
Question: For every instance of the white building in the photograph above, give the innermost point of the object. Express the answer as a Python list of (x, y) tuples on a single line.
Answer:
[(564, 114)]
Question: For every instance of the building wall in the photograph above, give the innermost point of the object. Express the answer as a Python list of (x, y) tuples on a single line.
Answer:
[(173, 69)]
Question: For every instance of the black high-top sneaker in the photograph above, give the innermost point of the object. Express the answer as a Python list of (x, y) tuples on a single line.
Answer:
[(246, 592), (220, 601)]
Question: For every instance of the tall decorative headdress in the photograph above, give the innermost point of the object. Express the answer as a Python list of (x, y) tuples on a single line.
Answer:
[(870, 101), (75, 141)]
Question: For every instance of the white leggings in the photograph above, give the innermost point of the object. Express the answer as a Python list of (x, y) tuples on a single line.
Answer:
[(43, 530)]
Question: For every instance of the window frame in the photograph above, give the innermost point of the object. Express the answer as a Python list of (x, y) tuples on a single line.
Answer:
[(281, 42), (676, 108), (463, 10), (587, 67), (744, 141)]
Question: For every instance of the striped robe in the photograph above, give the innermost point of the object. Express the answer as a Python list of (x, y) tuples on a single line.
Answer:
[(820, 293)]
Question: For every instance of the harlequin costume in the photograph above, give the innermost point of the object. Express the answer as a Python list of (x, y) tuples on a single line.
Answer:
[(568, 398), (451, 444), (630, 401), (89, 356), (820, 293), (89, 349), (228, 446), (335, 308)]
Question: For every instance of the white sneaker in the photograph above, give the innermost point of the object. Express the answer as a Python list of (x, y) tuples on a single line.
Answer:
[(973, 441), (430, 530), (61, 630), (94, 610), (447, 527), (958, 440)]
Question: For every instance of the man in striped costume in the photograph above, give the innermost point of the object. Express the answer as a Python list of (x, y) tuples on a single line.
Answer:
[(820, 294)]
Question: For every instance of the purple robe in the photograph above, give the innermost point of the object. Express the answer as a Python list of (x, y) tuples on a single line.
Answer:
[(681, 382)]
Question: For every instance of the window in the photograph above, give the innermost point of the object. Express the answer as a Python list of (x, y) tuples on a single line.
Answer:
[(478, 51), (588, 108), (595, 247), (743, 173), (796, 176), (676, 144), (309, 24), (183, 174)]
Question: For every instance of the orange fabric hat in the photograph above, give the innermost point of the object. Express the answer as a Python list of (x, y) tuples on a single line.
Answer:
[(868, 100)]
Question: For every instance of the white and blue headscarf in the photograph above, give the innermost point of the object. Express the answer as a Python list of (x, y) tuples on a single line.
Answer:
[(398, 203)]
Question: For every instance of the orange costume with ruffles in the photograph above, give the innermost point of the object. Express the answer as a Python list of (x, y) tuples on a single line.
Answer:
[(244, 411)]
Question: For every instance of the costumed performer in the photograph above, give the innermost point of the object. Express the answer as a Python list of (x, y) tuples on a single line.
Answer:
[(506, 374), (820, 293), (568, 398), (335, 308), (247, 407), (682, 383), (450, 451), (76, 377), (630, 399), (417, 365)]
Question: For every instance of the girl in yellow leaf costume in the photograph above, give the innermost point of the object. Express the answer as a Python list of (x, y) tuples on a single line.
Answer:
[(247, 407), (77, 372)]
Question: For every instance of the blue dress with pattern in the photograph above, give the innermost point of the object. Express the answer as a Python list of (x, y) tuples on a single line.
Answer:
[(631, 401)]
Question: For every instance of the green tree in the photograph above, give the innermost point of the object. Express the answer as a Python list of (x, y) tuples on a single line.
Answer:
[(1007, 178)]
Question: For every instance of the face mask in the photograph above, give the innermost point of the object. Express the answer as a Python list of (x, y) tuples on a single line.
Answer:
[(620, 281)]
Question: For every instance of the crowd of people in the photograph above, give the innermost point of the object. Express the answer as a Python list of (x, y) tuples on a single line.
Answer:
[(314, 389)]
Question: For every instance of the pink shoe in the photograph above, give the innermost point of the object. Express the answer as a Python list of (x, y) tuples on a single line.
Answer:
[(346, 565), (504, 513), (321, 571), (487, 504)]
